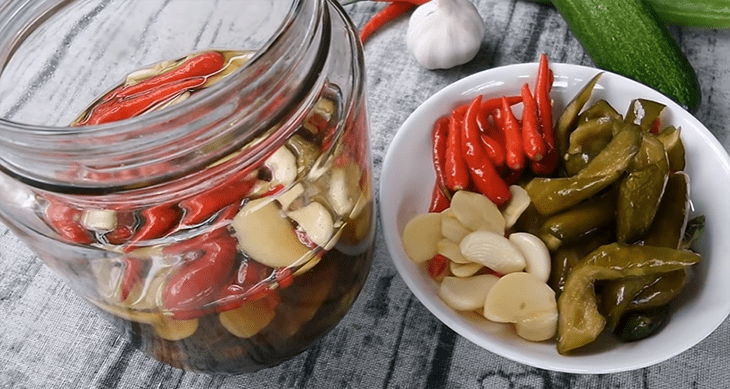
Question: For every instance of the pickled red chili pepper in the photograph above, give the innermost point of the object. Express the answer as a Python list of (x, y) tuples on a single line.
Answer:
[(131, 276), (157, 221), (200, 207), (121, 108), (456, 171), (66, 221), (201, 65), (439, 137), (513, 138), (482, 171), (439, 201), (532, 140), (197, 284)]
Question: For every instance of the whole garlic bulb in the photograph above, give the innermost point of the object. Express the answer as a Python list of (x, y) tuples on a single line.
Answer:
[(445, 33)]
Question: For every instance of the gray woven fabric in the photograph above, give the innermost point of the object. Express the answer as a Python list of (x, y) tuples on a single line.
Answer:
[(50, 338)]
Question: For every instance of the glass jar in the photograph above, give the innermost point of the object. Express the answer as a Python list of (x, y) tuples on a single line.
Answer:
[(224, 233)]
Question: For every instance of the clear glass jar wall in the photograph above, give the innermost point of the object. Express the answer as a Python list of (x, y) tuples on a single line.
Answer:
[(223, 233)]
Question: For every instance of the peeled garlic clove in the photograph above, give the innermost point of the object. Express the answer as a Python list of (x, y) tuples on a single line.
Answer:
[(466, 294), (267, 236), (517, 204), (476, 212), (451, 227), (248, 319), (283, 166), (99, 219), (535, 252), (171, 329), (450, 250), (339, 192), (464, 269), (421, 235), (288, 197), (316, 221), (493, 251), (538, 326), (516, 296)]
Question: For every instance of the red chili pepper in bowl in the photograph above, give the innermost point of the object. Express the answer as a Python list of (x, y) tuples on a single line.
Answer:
[(532, 141), (482, 171), (455, 170)]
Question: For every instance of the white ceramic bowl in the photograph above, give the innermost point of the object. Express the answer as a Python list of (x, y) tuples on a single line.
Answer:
[(407, 180)]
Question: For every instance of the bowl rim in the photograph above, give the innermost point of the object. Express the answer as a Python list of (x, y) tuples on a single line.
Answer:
[(478, 83)]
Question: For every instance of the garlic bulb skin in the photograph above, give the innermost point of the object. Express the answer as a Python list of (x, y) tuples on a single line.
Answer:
[(445, 33)]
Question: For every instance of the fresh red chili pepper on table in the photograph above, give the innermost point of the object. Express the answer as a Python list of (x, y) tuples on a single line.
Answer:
[(383, 17), (483, 173), (455, 170), (515, 153), (202, 65), (532, 141), (120, 108), (157, 222), (197, 284), (67, 222)]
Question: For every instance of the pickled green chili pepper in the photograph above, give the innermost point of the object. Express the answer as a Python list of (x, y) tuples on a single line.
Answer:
[(644, 113), (567, 120), (670, 137), (568, 256), (580, 322), (576, 222), (587, 140), (640, 191), (667, 230), (640, 325), (599, 109), (552, 195)]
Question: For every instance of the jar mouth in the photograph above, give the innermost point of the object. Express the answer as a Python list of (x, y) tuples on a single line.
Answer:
[(250, 111)]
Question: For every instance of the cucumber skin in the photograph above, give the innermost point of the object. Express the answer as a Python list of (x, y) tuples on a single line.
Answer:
[(689, 13), (627, 37)]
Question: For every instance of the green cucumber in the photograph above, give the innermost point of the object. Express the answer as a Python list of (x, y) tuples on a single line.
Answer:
[(689, 13), (627, 37)]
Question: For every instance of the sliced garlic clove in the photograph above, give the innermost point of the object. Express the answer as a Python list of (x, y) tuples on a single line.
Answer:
[(316, 221), (421, 235), (450, 250), (466, 294), (516, 296), (538, 326), (476, 212), (248, 319), (464, 269), (267, 236), (493, 251), (451, 227), (535, 252), (517, 204)]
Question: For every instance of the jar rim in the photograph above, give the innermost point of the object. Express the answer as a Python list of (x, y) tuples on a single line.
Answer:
[(226, 103)]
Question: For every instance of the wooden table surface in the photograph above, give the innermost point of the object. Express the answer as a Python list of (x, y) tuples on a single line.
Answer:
[(50, 338)]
